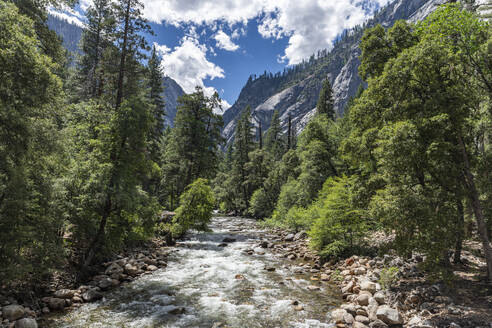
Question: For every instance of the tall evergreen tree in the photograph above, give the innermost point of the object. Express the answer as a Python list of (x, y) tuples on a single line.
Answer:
[(156, 89), (192, 151), (96, 38), (274, 140), (131, 27), (243, 145), (326, 102)]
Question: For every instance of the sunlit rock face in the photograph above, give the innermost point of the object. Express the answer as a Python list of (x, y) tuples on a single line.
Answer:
[(296, 95)]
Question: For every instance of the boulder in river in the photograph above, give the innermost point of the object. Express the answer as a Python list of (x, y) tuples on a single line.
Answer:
[(13, 312), (228, 240), (26, 323), (131, 270), (56, 304), (92, 295)]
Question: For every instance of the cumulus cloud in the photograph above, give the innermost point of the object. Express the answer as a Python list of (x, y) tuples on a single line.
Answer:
[(225, 42), (188, 65), (309, 25), (68, 14)]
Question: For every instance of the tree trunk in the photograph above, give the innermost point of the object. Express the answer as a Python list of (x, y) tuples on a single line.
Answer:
[(289, 133), (460, 226), (98, 240), (477, 209), (121, 75)]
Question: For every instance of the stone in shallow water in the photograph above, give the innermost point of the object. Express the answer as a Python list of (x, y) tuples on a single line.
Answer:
[(13, 312), (26, 323)]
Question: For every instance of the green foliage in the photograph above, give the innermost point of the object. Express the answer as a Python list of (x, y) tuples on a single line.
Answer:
[(413, 128), (388, 277), (195, 208), (191, 149), (326, 103), (30, 212), (338, 225)]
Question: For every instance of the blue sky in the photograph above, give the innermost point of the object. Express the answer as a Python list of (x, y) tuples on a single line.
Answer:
[(217, 44)]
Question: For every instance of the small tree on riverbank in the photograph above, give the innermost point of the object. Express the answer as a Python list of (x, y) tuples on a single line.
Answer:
[(195, 209)]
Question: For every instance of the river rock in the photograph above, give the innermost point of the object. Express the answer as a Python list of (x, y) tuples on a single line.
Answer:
[(363, 299), (13, 312), (264, 244), (92, 295), (26, 323), (64, 293), (338, 315), (312, 287), (358, 325), (105, 283), (56, 304), (368, 286), (378, 324), (131, 270), (360, 271), (348, 288), (361, 318), (324, 277), (114, 268), (289, 237), (379, 297), (300, 235), (152, 268), (389, 315), (348, 318), (228, 240), (350, 308)]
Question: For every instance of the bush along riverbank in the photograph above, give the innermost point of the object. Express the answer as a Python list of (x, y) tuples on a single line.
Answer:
[(389, 291)]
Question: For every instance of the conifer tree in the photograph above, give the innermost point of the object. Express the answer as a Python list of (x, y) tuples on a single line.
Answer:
[(96, 38), (156, 89), (326, 102), (274, 140), (131, 27)]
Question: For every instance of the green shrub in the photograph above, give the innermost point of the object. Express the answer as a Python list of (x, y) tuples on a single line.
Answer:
[(338, 225), (195, 208), (388, 277), (259, 204)]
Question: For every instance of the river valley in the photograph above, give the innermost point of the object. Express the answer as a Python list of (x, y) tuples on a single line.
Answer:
[(209, 283)]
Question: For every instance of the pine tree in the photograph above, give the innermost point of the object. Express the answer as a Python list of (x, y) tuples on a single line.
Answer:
[(274, 140), (156, 89), (326, 102), (192, 149), (96, 38), (131, 27), (243, 145)]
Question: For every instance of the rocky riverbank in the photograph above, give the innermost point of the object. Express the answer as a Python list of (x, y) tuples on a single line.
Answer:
[(122, 269), (387, 291)]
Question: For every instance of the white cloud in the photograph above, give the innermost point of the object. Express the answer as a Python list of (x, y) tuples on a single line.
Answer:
[(188, 65), (68, 14), (225, 42), (309, 25)]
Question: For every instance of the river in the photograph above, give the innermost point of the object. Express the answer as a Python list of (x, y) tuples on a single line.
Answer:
[(208, 285)]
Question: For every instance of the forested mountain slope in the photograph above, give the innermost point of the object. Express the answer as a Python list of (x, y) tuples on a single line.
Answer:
[(295, 91)]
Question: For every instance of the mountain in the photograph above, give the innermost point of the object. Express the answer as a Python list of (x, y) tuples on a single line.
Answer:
[(172, 91), (71, 35), (295, 91)]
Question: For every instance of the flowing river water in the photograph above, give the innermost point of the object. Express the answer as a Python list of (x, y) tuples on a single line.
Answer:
[(211, 286)]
